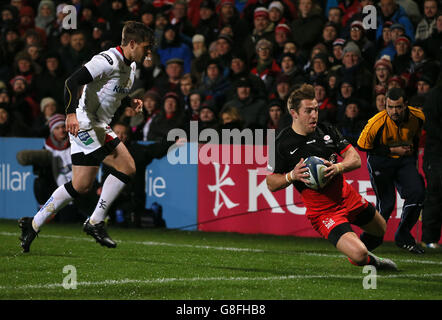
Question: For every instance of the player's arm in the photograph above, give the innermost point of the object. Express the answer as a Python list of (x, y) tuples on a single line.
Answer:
[(351, 161), (278, 181), (71, 94)]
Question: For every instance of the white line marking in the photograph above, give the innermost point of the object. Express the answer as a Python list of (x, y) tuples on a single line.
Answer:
[(178, 245), (196, 279)]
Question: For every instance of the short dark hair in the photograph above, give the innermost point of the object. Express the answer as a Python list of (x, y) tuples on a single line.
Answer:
[(395, 94), (306, 91), (138, 32)]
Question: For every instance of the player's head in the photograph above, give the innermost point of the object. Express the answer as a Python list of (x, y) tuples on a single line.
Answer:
[(138, 39), (395, 104), (304, 108)]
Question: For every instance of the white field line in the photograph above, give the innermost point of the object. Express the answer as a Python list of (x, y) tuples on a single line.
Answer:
[(181, 245), (197, 279)]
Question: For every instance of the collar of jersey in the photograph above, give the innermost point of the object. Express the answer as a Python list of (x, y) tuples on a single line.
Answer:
[(126, 61)]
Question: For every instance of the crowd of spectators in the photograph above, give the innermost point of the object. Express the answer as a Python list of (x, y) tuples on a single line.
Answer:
[(226, 64)]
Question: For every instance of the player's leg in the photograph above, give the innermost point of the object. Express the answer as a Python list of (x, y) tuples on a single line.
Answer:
[(347, 242), (82, 180), (374, 226), (123, 169), (382, 181), (411, 187)]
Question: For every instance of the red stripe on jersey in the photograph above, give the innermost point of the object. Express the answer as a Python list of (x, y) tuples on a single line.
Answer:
[(120, 50), (345, 149)]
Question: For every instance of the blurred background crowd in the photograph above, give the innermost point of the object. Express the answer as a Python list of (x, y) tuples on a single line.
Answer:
[(226, 64)]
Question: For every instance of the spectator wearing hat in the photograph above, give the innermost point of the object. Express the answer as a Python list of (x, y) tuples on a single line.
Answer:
[(337, 54), (330, 32), (58, 144), (24, 66), (196, 99), (147, 15), (383, 70), (391, 11), (402, 57), (282, 88), (420, 65), (214, 82), (151, 108), (427, 24), (318, 68), (45, 18), (224, 45), (384, 46), (27, 22), (262, 29), (327, 109), (50, 82), (276, 13), (307, 28), (353, 67), (358, 36), (207, 116), (346, 91), (380, 99), (251, 108), (170, 117), (290, 69), (351, 124), (170, 81), (239, 69), (200, 57), (207, 25), (275, 111), (265, 66), (423, 86), (171, 46), (229, 15), (22, 102), (283, 33), (40, 126)]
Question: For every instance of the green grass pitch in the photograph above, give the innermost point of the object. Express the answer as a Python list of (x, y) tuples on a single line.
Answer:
[(156, 264)]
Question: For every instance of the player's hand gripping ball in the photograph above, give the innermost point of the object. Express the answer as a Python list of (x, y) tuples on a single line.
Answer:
[(316, 170)]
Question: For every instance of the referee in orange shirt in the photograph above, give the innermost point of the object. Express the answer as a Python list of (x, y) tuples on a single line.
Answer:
[(390, 139)]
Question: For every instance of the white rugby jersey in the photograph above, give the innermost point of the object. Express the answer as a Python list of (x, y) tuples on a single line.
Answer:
[(112, 81)]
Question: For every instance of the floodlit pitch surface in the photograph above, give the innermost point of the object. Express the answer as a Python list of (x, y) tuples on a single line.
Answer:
[(164, 264)]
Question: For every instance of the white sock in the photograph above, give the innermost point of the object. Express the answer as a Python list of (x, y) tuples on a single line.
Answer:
[(111, 189), (59, 198)]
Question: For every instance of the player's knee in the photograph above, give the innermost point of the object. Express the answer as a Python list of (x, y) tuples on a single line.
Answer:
[(359, 255)]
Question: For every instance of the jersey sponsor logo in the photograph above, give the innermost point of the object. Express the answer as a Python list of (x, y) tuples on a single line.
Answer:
[(85, 138), (328, 222), (120, 89), (311, 141), (108, 58)]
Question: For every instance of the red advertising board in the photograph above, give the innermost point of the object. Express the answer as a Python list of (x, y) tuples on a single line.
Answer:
[(235, 198)]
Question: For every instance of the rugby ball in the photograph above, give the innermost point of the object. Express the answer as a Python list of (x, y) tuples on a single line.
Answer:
[(316, 170)]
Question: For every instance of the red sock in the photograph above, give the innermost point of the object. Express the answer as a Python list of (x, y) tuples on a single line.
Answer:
[(355, 264)]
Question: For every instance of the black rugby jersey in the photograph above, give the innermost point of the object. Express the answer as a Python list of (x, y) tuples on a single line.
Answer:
[(325, 142)]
